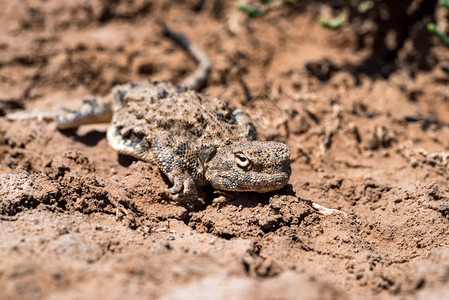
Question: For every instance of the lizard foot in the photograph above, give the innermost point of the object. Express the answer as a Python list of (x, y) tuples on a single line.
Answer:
[(182, 189), (223, 197)]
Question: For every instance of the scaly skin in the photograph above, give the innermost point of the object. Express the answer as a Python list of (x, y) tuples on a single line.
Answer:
[(195, 140)]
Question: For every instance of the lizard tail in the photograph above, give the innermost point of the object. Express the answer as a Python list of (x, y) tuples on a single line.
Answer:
[(99, 110), (198, 78)]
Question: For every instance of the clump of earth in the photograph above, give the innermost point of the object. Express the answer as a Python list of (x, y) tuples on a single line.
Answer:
[(366, 120)]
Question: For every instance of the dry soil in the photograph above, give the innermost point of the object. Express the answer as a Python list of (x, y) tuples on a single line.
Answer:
[(364, 111)]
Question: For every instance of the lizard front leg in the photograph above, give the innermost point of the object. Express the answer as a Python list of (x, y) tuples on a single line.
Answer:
[(176, 158)]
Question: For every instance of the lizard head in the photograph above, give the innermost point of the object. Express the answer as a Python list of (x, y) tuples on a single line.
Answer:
[(252, 166)]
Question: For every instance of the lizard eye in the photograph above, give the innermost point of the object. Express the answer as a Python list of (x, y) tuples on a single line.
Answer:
[(241, 160)]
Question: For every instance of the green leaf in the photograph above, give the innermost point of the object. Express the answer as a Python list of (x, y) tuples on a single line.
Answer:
[(250, 10), (333, 24), (444, 3), (349, 4), (266, 1), (433, 29), (445, 69), (365, 6)]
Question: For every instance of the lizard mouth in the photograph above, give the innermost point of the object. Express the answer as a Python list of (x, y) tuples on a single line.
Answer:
[(252, 182)]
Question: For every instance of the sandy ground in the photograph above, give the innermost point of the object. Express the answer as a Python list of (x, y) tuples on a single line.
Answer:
[(365, 115)]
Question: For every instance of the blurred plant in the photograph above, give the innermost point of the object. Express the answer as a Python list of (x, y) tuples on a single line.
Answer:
[(433, 29), (444, 39), (349, 4), (444, 3), (332, 24), (254, 11), (362, 8), (445, 69), (250, 10), (385, 27), (365, 6)]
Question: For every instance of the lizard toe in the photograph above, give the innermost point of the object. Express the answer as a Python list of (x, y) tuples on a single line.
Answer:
[(183, 189)]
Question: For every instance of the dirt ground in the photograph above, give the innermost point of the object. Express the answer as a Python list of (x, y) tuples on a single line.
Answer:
[(364, 111)]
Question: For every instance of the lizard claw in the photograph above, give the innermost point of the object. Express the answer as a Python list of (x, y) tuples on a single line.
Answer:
[(182, 189), (176, 188)]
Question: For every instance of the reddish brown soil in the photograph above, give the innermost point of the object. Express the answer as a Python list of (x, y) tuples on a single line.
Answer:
[(369, 137)]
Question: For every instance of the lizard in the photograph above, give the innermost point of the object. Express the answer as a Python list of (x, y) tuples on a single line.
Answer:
[(195, 140)]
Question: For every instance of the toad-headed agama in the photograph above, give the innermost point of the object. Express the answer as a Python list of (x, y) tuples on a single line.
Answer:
[(195, 140)]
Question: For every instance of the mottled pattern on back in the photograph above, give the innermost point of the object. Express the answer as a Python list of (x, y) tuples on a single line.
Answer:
[(142, 110), (194, 140)]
